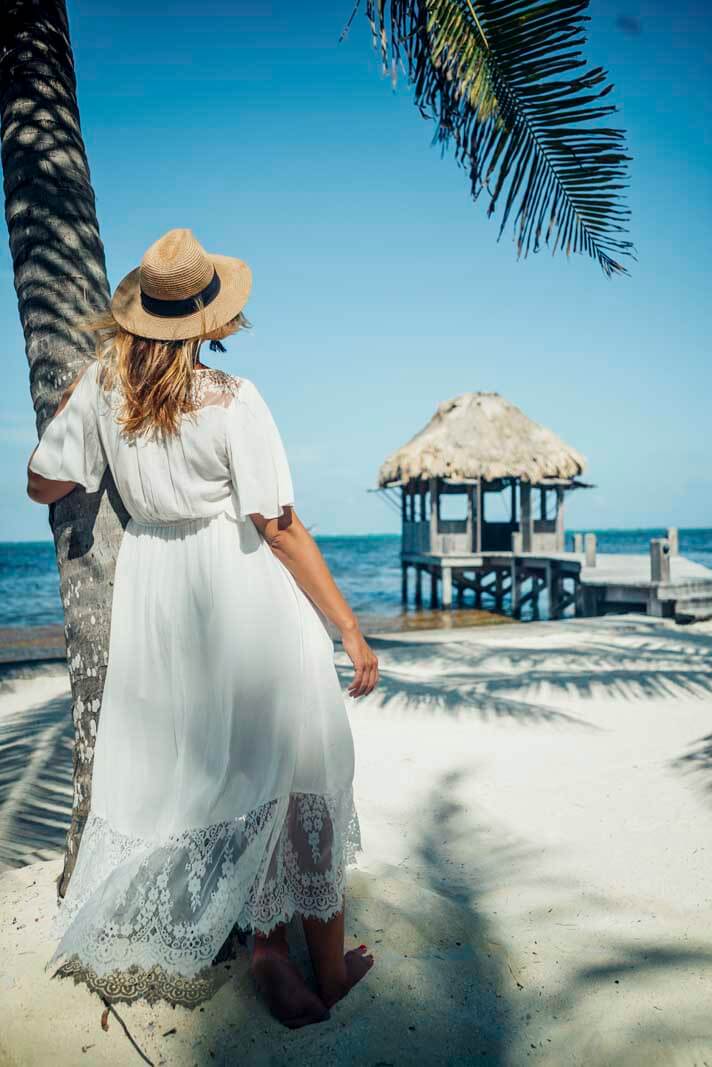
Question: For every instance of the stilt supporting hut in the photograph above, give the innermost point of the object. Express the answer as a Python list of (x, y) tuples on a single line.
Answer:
[(477, 450)]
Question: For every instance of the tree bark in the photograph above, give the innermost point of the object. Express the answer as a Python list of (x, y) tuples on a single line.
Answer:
[(60, 274)]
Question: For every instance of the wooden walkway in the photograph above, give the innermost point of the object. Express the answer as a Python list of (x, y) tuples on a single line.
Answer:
[(614, 583), (626, 580)]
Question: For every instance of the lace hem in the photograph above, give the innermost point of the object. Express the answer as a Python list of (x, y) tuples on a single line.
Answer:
[(171, 904), (149, 985)]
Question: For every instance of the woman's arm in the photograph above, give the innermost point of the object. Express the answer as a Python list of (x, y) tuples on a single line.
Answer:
[(292, 543), (45, 490)]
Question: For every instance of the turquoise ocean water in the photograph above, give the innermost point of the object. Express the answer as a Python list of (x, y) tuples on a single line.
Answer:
[(367, 570)]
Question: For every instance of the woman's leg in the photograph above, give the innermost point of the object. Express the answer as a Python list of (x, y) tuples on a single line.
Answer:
[(281, 983), (336, 972)]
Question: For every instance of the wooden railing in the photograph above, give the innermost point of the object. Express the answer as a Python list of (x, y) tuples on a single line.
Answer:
[(452, 539)]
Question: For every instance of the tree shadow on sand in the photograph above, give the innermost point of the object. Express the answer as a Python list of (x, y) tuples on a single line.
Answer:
[(622, 999), (488, 1003), (451, 984), (486, 676), (697, 761), (454, 981), (441, 989), (454, 984), (35, 779)]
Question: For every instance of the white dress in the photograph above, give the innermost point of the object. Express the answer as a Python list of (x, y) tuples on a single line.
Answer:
[(223, 764)]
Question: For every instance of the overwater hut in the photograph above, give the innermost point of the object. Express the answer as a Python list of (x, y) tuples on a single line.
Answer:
[(479, 450)]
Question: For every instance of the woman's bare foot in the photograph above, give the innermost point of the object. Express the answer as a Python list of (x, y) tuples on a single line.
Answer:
[(282, 985), (335, 972), (356, 964)]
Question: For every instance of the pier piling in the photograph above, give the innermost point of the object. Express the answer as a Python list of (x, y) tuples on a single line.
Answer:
[(659, 560)]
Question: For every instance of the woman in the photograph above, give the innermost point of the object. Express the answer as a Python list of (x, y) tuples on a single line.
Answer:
[(223, 765)]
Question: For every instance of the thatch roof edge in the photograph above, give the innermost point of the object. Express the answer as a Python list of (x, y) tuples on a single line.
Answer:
[(482, 435)]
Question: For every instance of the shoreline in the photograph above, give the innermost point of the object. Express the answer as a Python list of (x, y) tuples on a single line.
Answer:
[(20, 645), (27, 644)]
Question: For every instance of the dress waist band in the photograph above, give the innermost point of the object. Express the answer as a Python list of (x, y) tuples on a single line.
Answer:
[(178, 524)]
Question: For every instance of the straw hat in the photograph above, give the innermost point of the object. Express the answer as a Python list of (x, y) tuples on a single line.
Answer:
[(158, 299)]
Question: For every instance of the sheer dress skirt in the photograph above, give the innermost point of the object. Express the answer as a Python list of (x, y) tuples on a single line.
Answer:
[(223, 766)]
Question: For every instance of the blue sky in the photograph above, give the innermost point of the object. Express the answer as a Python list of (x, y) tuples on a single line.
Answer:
[(379, 287)]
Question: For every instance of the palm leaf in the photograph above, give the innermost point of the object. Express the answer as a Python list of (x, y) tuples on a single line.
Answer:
[(506, 82)]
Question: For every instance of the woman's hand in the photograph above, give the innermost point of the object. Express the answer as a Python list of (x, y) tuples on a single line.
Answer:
[(364, 660)]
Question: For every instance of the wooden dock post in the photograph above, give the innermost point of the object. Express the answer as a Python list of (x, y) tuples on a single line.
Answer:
[(404, 583), (527, 516), (517, 542), (672, 537), (478, 531), (551, 590), (470, 536), (590, 545), (433, 587), (418, 585), (447, 586), (560, 530), (659, 560), (516, 586), (434, 512), (578, 543)]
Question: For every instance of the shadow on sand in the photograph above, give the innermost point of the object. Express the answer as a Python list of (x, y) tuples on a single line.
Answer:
[(35, 775), (492, 676), (449, 985)]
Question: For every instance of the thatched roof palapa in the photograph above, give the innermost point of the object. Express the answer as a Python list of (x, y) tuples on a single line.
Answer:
[(482, 435)]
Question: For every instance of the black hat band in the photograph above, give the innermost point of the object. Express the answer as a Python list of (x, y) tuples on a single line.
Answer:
[(173, 309)]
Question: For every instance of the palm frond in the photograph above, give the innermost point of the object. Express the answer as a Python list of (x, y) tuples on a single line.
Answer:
[(508, 87)]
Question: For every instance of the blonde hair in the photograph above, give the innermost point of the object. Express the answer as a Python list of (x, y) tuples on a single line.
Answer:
[(154, 378)]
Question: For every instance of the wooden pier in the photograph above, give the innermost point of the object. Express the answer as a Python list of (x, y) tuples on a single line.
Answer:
[(608, 583), (481, 490)]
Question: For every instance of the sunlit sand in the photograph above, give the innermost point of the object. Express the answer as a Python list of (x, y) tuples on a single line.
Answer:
[(536, 811)]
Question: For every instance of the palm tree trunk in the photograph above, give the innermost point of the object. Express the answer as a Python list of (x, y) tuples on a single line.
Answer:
[(60, 273)]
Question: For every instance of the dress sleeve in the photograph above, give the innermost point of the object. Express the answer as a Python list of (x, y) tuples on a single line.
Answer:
[(70, 449), (258, 462)]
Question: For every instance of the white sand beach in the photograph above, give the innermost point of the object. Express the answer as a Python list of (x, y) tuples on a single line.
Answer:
[(536, 886)]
